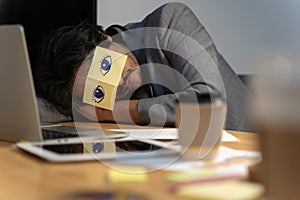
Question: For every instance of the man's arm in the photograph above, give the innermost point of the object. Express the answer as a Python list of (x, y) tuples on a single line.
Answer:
[(206, 70), (124, 111), (187, 56)]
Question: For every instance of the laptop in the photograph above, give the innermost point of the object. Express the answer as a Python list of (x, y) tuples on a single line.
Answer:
[(19, 116)]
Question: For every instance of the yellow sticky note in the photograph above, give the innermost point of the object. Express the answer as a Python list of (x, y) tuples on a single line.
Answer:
[(204, 173), (24, 141), (224, 190), (99, 147), (103, 78), (127, 174)]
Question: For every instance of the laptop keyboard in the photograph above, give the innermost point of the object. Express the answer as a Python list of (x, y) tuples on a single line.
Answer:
[(51, 134), (65, 149)]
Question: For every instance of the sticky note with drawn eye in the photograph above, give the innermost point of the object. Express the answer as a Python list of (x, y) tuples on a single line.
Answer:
[(98, 147), (98, 94), (103, 78), (105, 65)]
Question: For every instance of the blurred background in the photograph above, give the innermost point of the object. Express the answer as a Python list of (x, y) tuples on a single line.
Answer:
[(248, 34), (251, 35)]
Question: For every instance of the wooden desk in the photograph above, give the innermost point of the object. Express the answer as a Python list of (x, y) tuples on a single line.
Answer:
[(23, 176)]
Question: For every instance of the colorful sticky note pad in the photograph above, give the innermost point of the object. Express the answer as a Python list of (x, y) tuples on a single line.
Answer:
[(127, 174), (103, 78)]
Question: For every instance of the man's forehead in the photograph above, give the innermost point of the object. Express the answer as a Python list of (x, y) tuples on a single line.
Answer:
[(85, 67)]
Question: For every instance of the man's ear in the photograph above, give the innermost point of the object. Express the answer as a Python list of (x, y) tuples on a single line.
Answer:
[(108, 37)]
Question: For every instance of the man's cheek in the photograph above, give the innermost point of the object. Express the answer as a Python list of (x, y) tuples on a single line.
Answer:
[(121, 82), (120, 92)]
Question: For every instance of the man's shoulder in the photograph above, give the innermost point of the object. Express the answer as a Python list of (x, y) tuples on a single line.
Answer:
[(161, 16), (174, 6), (169, 12)]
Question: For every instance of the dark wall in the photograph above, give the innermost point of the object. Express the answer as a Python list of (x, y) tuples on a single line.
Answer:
[(41, 16)]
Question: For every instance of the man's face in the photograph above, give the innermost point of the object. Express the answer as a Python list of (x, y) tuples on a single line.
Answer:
[(130, 81), (131, 76)]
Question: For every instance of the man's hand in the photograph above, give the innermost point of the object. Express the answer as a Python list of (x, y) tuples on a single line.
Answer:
[(92, 113), (124, 111)]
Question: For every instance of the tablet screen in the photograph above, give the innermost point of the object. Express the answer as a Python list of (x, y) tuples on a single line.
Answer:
[(100, 147)]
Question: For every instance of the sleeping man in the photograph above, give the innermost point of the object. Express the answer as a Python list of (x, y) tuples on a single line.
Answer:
[(170, 56)]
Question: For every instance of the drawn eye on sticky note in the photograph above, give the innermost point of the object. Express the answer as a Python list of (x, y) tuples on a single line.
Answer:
[(98, 94), (105, 65), (103, 78)]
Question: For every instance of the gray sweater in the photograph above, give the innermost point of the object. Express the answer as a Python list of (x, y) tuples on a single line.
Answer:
[(178, 59)]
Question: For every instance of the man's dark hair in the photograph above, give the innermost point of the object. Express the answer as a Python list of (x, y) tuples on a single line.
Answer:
[(63, 51)]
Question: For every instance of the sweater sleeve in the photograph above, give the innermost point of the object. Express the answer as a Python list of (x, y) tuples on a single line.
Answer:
[(184, 45)]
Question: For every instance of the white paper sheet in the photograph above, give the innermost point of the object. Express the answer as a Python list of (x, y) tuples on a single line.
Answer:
[(166, 133), (227, 137), (174, 163)]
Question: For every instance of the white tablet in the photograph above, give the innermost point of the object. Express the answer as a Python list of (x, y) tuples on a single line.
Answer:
[(91, 148)]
